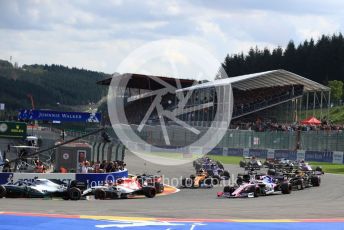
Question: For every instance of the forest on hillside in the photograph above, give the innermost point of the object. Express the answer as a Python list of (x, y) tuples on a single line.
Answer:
[(51, 86), (321, 61)]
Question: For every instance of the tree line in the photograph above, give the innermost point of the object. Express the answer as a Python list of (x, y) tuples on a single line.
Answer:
[(51, 86), (321, 61)]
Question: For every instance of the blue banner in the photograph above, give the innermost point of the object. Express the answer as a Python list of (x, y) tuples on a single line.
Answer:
[(288, 154), (49, 115), (319, 156), (260, 153), (5, 177)]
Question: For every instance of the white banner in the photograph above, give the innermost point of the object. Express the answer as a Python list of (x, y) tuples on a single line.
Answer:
[(2, 106), (246, 152), (225, 152), (196, 150), (300, 155), (271, 154), (338, 157)]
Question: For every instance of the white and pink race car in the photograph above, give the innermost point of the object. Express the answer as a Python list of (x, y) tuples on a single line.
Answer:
[(258, 186)]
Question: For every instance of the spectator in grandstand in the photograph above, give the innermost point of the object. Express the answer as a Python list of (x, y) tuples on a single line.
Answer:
[(7, 166), (96, 167), (109, 167), (84, 167), (103, 165), (115, 167), (39, 167)]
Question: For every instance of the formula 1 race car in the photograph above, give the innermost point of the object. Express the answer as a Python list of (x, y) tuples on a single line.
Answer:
[(202, 180), (299, 174), (42, 188), (260, 186), (299, 179), (250, 163), (155, 181), (121, 189), (213, 168)]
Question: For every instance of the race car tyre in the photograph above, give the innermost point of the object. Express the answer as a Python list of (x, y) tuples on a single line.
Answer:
[(73, 183), (257, 192), (300, 184), (149, 192), (246, 178), (271, 172), (187, 182), (239, 181), (99, 194), (208, 181), (226, 174), (159, 187), (315, 181), (74, 193), (286, 188), (242, 164), (2, 191), (228, 189), (216, 180), (220, 164), (124, 196), (65, 196)]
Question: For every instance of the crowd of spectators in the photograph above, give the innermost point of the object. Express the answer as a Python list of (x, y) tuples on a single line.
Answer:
[(263, 126), (249, 100), (101, 167)]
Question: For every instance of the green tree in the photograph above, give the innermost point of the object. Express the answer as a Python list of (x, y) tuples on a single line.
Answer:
[(336, 89)]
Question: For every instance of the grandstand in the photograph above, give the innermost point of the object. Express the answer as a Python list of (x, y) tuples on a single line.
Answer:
[(276, 97), (254, 96)]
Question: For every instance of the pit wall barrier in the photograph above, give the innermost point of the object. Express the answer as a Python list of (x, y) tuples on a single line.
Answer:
[(91, 179), (107, 151), (320, 156)]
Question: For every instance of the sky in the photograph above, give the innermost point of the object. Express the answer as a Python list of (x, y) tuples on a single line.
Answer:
[(99, 35)]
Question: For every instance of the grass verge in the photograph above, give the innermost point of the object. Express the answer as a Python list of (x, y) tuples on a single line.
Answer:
[(327, 167)]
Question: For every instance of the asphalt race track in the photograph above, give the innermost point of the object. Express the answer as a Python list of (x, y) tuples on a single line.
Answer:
[(326, 201)]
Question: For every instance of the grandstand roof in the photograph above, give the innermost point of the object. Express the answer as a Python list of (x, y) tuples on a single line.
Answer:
[(264, 79), (143, 81)]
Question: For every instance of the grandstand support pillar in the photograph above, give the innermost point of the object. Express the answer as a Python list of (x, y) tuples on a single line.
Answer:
[(328, 106), (321, 104), (300, 112), (314, 103), (307, 100)]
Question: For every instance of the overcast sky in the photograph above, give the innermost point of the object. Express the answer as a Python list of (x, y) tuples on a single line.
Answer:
[(98, 35)]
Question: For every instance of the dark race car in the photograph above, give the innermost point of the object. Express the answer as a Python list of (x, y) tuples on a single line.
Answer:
[(251, 163), (300, 174), (42, 188), (155, 181), (214, 169), (202, 180)]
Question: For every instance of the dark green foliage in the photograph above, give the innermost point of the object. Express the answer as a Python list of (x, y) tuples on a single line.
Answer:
[(49, 85), (321, 61)]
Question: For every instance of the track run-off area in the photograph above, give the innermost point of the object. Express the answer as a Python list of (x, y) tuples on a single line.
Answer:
[(314, 208)]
